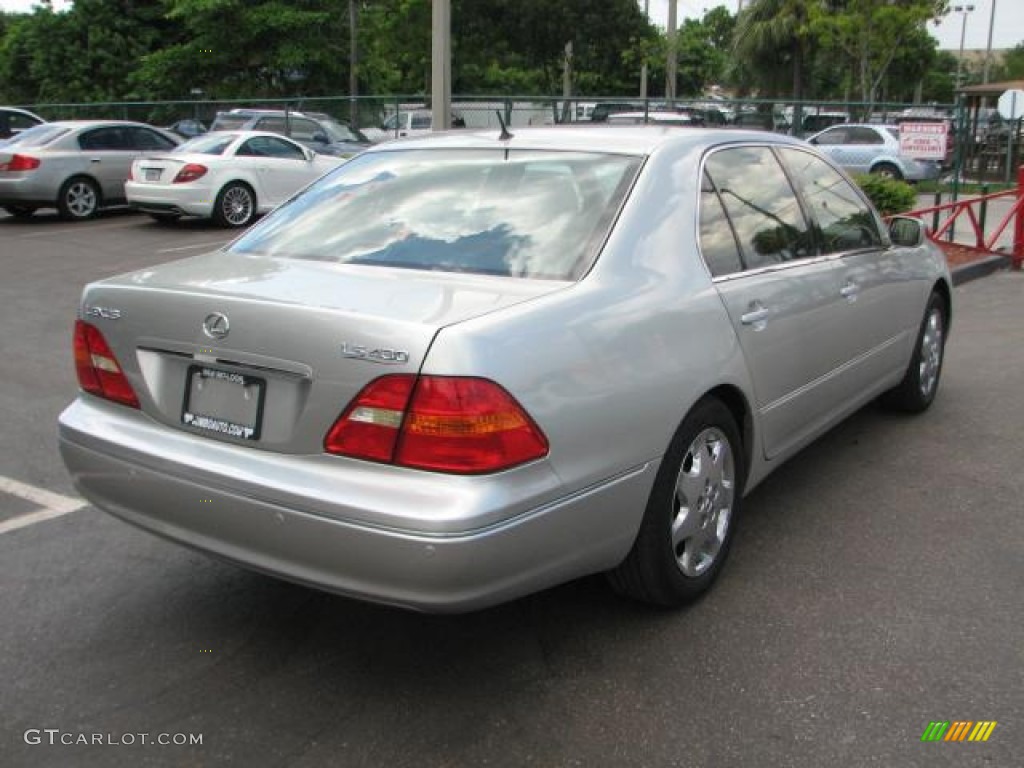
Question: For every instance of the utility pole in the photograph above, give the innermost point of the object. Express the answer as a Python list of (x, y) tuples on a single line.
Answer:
[(963, 10), (353, 64), (670, 65), (643, 66), (441, 66), (567, 83)]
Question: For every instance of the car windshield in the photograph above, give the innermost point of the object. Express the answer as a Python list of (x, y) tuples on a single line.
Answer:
[(340, 132), (208, 144), (495, 212), (38, 136)]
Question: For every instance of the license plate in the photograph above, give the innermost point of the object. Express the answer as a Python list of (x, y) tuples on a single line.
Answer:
[(226, 403), (152, 174)]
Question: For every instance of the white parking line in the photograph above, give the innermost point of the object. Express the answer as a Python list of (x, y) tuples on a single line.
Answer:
[(192, 247), (54, 504), (81, 227)]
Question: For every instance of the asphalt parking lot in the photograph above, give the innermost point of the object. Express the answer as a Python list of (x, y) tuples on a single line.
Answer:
[(875, 586)]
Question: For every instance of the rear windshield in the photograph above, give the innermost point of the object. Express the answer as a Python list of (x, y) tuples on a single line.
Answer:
[(229, 122), (208, 144), (38, 136), (536, 214)]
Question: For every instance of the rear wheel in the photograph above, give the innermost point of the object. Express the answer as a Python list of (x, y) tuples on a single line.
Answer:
[(20, 211), (79, 199), (921, 381), (887, 171), (235, 205), (691, 515)]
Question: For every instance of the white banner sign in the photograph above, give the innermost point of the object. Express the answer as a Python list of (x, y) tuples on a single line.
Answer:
[(924, 141)]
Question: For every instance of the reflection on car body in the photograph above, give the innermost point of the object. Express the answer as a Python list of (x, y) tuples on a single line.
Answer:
[(598, 340)]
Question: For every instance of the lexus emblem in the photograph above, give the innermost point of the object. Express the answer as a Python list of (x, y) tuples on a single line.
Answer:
[(216, 325)]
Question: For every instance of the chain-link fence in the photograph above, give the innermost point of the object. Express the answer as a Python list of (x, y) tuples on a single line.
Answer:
[(984, 150)]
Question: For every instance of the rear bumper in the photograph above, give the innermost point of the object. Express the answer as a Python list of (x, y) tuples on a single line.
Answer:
[(186, 200), (316, 537), (26, 190)]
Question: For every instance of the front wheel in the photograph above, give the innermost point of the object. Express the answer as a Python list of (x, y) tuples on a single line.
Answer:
[(691, 515), (235, 205), (887, 171), (79, 199), (921, 381)]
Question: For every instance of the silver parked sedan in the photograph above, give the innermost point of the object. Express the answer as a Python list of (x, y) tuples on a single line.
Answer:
[(75, 166), (865, 148), (463, 368)]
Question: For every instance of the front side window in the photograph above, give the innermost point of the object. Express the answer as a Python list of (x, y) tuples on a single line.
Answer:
[(860, 135), (761, 205), (524, 213), (842, 217)]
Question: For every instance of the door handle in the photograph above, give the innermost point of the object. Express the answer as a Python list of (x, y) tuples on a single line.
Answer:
[(849, 291), (757, 316), (95, 159)]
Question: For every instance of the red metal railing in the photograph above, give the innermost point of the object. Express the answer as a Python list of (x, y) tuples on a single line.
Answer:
[(966, 209)]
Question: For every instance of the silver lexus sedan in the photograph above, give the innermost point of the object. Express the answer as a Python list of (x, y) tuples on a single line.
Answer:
[(463, 368)]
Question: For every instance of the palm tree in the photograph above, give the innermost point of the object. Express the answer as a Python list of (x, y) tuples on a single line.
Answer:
[(772, 36)]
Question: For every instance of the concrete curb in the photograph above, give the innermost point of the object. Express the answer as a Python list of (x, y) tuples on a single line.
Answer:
[(967, 272)]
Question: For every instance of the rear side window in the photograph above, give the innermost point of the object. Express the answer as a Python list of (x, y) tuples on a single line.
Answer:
[(532, 214), (717, 241), (762, 206), (145, 139), (844, 220), (39, 136), (111, 138)]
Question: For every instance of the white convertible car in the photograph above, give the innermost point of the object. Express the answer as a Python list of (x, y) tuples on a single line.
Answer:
[(231, 177)]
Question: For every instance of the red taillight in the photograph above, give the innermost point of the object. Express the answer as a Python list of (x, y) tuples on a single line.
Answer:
[(131, 176), (98, 371), (21, 163), (441, 423), (190, 172)]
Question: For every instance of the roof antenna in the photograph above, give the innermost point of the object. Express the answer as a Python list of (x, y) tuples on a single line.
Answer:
[(505, 135)]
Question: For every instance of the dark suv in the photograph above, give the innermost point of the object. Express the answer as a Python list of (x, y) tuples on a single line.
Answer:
[(314, 129)]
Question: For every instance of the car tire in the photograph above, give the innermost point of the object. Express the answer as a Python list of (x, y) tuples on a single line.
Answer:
[(691, 515), (78, 199), (165, 218), (920, 383), (20, 211), (235, 205), (887, 171)]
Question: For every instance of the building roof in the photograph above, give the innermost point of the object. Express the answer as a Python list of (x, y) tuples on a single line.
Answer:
[(992, 89)]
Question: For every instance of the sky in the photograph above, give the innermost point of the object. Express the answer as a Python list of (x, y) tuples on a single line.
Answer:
[(1008, 30)]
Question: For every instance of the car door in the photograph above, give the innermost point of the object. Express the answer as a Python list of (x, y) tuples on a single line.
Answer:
[(107, 154), (880, 307), (280, 167), (784, 299), (835, 143)]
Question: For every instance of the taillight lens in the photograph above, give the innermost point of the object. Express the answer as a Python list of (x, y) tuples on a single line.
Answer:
[(451, 424), (190, 172), (21, 163), (98, 371)]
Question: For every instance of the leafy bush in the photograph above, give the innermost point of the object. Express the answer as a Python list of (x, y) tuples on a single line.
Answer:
[(889, 195)]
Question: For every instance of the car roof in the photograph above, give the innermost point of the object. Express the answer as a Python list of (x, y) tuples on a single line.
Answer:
[(21, 111), (599, 138), (73, 124)]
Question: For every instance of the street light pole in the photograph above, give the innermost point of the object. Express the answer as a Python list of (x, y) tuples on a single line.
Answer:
[(963, 10), (988, 48)]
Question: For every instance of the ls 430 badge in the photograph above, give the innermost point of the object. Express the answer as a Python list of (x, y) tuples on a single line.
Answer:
[(378, 355)]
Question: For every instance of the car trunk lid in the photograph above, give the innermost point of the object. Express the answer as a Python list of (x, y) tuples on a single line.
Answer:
[(268, 352)]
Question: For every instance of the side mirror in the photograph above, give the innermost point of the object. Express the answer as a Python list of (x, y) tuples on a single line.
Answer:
[(310, 155), (906, 231)]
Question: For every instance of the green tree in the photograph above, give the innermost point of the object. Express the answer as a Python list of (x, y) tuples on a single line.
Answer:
[(773, 37)]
